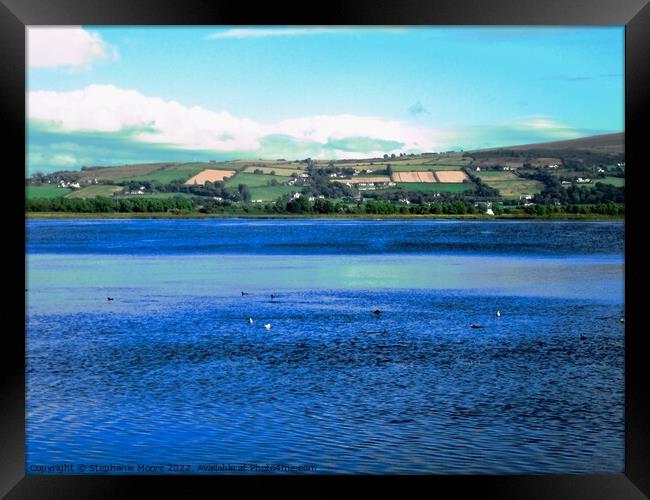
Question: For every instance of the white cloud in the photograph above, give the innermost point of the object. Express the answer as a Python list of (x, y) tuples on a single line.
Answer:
[(107, 108), (65, 46)]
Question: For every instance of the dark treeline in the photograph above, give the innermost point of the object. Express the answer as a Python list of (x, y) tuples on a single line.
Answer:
[(303, 206), (102, 204), (599, 193)]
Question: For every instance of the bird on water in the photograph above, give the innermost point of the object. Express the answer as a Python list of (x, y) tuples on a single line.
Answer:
[(267, 326), (109, 298), (250, 321), (498, 314), (376, 312)]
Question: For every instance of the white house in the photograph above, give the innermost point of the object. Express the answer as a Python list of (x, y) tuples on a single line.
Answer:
[(296, 196), (478, 169)]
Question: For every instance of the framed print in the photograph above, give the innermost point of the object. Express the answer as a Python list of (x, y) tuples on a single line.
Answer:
[(378, 241)]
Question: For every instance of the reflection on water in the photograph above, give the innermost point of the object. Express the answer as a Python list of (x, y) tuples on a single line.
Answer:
[(172, 372)]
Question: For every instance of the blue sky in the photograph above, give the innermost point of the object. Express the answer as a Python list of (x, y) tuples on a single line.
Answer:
[(115, 95)]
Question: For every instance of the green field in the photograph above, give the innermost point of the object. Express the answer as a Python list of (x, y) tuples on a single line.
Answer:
[(119, 173), (437, 187), (509, 184), (281, 172), (614, 181), (270, 193), (154, 195), (46, 191), (170, 173), (251, 180), (95, 190)]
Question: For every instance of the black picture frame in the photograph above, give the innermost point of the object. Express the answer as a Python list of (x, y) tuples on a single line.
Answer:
[(634, 483)]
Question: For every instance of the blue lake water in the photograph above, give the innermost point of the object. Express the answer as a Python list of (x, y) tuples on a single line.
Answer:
[(171, 372)]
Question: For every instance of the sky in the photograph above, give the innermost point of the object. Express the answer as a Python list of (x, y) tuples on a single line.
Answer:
[(118, 95)]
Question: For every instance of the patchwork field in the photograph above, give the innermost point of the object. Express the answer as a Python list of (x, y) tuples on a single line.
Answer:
[(210, 175), (451, 176), (46, 191), (95, 190), (413, 177)]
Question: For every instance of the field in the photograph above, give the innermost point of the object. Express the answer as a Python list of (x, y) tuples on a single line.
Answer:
[(153, 195), (451, 176), (428, 187), (170, 173), (510, 185), (251, 180), (413, 177), (362, 180), (614, 181), (46, 191), (210, 175), (119, 173), (270, 193), (95, 190), (279, 171)]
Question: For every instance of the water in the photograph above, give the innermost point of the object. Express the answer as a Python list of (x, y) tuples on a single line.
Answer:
[(170, 372)]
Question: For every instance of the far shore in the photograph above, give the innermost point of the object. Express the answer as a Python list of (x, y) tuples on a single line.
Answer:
[(161, 215)]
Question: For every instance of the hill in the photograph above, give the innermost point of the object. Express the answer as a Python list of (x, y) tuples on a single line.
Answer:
[(611, 143)]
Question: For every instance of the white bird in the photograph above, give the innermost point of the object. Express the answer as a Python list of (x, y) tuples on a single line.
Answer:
[(267, 326), (250, 321), (498, 314)]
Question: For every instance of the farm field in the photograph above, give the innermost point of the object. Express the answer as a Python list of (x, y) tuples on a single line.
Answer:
[(270, 193), (95, 190), (509, 184), (279, 171), (363, 180), (414, 177), (119, 173), (451, 176), (614, 181), (46, 191), (211, 175), (154, 195), (167, 174), (251, 180), (428, 187)]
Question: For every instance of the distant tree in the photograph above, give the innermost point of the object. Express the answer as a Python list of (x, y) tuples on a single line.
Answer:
[(244, 193)]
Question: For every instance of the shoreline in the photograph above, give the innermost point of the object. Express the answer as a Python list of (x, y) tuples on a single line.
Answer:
[(477, 217)]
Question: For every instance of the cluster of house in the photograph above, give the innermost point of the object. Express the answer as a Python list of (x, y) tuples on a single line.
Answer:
[(69, 184), (310, 198), (73, 184), (140, 190), (582, 181), (526, 198)]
